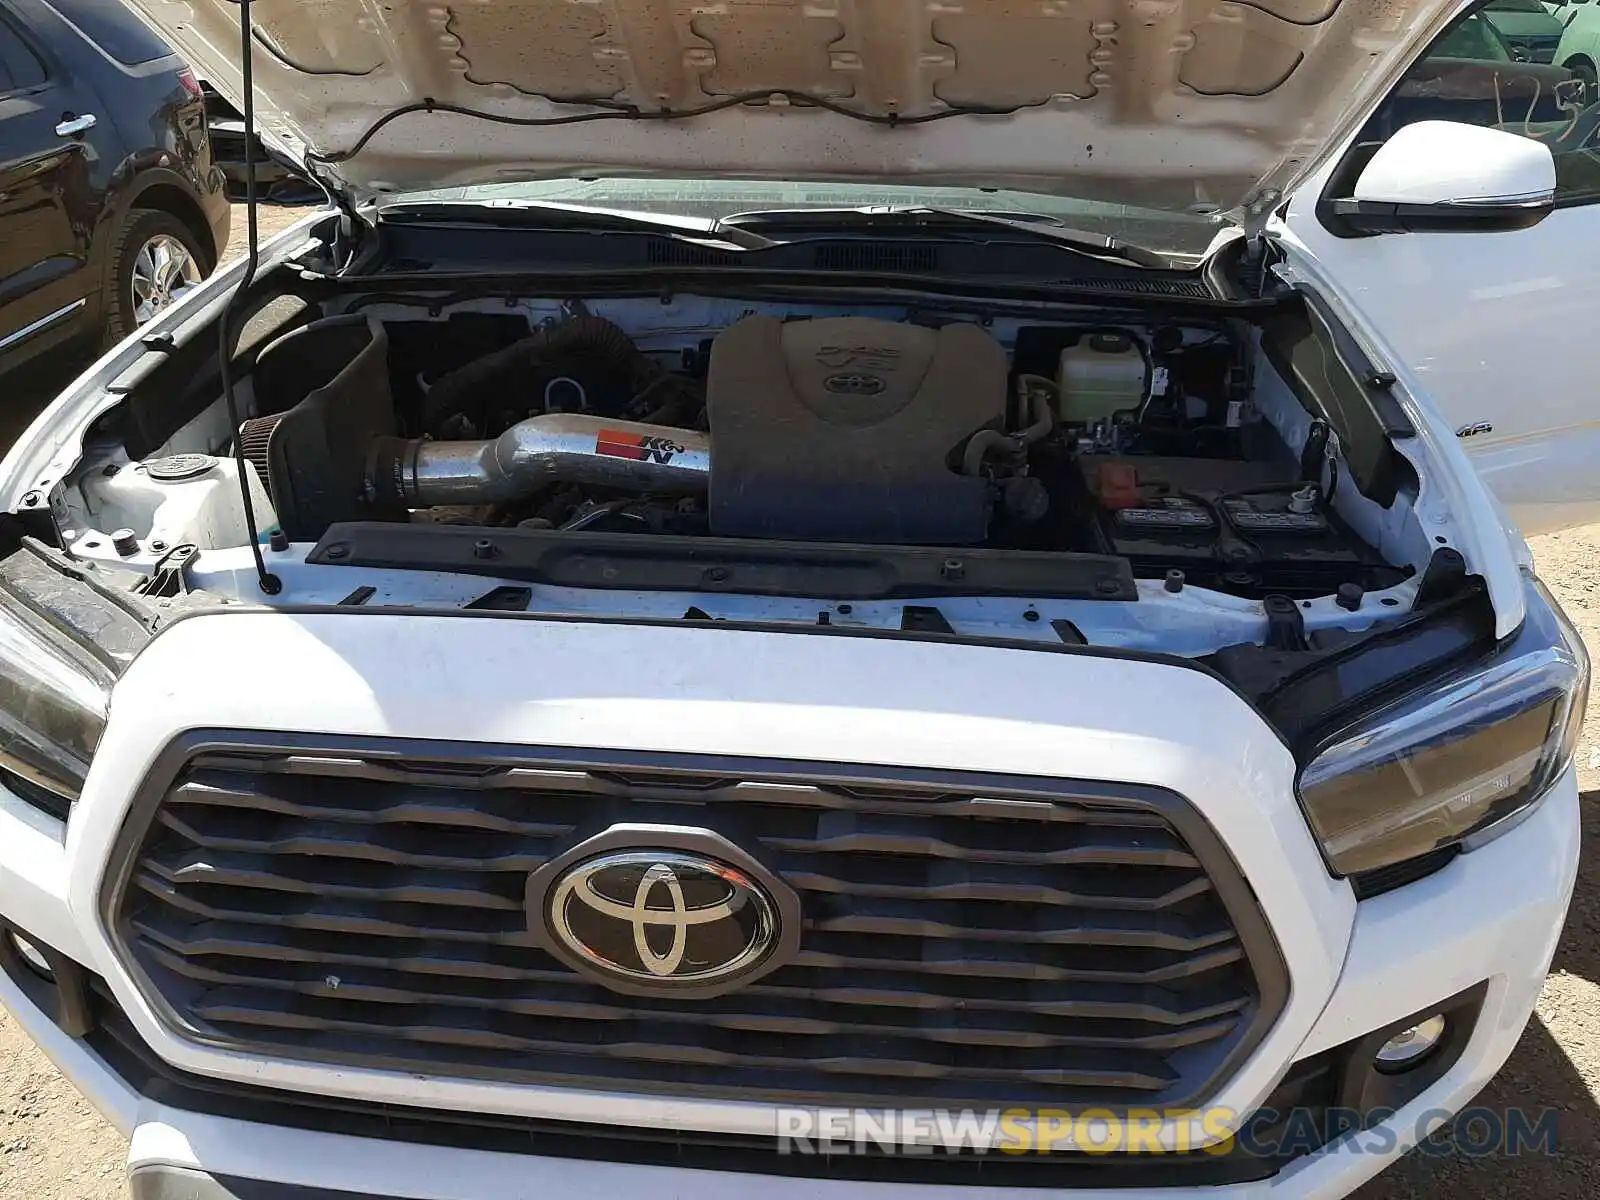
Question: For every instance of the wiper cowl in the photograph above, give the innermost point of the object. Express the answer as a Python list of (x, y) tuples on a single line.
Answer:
[(1031, 225)]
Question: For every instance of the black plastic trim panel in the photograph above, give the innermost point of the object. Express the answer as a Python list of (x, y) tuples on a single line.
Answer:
[(645, 562), (1333, 378)]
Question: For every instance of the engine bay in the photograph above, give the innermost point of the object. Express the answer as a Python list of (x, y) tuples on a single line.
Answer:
[(697, 445), (1139, 443)]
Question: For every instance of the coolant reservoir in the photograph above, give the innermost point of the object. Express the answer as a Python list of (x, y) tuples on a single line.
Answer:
[(1100, 376), (183, 498)]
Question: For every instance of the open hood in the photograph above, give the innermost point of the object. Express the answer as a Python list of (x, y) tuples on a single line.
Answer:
[(1188, 105)]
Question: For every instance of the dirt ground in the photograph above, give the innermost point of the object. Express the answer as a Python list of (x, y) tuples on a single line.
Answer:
[(53, 1146)]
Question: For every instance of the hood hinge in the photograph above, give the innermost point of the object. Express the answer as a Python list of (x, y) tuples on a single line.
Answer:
[(1245, 263), (351, 233), (351, 229), (1252, 216)]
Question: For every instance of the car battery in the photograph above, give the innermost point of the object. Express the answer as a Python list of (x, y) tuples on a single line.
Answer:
[(1211, 517)]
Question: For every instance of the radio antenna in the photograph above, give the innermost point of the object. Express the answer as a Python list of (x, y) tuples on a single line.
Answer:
[(270, 584)]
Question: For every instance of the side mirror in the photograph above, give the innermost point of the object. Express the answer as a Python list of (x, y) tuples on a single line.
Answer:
[(1442, 176)]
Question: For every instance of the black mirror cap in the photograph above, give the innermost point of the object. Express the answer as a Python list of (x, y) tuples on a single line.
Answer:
[(1366, 218)]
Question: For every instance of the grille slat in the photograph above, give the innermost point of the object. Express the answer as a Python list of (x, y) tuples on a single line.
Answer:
[(298, 876), (332, 916), (883, 917), (972, 878), (464, 811), (840, 830), (787, 1011), (319, 840), (1051, 927), (1018, 887), (966, 940), (882, 841), (823, 1006), (301, 864), (1066, 807), (991, 973), (651, 1041), (1028, 963)]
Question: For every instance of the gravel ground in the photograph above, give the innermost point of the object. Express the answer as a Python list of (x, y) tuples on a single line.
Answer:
[(53, 1146)]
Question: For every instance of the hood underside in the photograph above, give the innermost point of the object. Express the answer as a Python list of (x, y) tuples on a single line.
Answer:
[(1187, 105)]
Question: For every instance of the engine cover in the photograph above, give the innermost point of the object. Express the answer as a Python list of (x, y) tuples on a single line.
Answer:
[(845, 429)]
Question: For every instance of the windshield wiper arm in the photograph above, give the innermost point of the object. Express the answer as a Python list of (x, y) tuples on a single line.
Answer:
[(1101, 244), (1037, 225), (546, 214)]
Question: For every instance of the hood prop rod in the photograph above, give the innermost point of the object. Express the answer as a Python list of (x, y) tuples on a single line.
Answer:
[(269, 583)]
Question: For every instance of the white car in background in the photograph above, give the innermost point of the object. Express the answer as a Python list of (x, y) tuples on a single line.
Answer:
[(1579, 48), (874, 601)]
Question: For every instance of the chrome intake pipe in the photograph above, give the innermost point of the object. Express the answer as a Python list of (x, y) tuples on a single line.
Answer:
[(555, 448)]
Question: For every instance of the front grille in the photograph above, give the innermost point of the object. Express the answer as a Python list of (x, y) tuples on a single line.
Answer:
[(967, 940)]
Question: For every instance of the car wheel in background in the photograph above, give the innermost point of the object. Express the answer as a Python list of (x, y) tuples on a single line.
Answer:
[(1583, 70), (155, 259)]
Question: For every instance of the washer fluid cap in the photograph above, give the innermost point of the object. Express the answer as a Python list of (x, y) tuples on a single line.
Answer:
[(179, 467)]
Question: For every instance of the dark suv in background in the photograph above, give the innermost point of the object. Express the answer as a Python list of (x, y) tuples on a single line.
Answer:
[(110, 204)]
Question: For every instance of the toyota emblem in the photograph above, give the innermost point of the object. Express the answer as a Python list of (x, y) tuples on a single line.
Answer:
[(663, 919)]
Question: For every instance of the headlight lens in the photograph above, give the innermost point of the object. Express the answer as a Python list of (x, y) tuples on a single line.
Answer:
[(53, 700), (1458, 756)]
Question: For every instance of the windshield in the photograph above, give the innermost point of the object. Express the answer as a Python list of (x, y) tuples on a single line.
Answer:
[(1177, 234)]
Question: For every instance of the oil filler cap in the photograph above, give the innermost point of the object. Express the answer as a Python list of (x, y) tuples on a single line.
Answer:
[(178, 467)]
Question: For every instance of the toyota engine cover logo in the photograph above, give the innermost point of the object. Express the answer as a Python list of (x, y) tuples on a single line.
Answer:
[(855, 383), (663, 911)]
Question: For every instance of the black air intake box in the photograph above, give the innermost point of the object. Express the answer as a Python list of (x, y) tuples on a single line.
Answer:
[(327, 386)]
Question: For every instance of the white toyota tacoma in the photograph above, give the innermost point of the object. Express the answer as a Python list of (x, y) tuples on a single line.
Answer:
[(826, 600)]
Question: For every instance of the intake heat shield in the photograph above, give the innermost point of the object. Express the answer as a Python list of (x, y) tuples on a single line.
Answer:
[(846, 429)]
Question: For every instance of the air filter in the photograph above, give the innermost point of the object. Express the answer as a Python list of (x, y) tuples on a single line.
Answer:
[(255, 435)]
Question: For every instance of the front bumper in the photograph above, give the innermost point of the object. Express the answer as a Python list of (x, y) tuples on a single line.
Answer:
[(1492, 915), (1490, 918)]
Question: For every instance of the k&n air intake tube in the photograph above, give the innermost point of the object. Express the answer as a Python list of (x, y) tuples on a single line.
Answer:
[(556, 448)]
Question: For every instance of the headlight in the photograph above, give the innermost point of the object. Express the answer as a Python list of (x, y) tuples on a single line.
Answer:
[(1456, 757), (53, 699)]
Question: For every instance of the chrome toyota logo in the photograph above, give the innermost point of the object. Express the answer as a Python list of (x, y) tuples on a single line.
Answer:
[(663, 920)]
